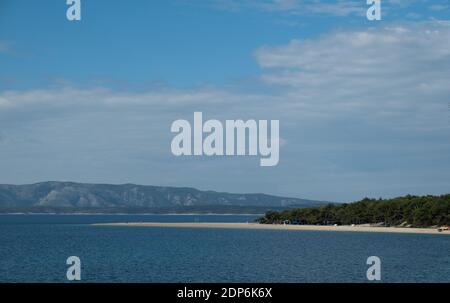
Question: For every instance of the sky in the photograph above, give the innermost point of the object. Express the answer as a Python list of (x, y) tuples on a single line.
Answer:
[(364, 106)]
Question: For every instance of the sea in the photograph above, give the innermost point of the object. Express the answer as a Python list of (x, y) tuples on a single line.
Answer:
[(35, 248)]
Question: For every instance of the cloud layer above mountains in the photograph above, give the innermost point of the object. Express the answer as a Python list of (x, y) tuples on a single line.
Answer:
[(359, 109)]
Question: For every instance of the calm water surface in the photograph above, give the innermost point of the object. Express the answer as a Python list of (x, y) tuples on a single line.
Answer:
[(34, 248)]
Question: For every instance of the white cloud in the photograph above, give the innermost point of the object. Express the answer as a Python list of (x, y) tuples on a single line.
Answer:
[(298, 7), (440, 7), (63, 97), (390, 74), (394, 74), (360, 110), (341, 8), (385, 72)]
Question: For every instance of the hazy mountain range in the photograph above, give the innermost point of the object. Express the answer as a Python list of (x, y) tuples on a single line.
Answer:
[(71, 197)]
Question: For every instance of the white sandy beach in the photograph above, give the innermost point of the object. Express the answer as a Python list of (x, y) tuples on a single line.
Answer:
[(283, 227)]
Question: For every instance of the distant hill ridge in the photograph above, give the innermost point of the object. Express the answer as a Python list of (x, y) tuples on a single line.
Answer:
[(71, 195)]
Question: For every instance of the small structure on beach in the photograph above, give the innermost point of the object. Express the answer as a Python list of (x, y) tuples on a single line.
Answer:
[(443, 228)]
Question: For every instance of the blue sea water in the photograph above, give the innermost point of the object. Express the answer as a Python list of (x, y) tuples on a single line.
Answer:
[(34, 248)]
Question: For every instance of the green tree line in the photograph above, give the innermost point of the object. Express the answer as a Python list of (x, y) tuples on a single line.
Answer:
[(416, 211)]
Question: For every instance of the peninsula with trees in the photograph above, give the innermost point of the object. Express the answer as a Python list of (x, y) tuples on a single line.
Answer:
[(406, 211)]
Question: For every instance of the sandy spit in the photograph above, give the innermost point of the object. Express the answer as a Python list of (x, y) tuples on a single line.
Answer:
[(282, 227)]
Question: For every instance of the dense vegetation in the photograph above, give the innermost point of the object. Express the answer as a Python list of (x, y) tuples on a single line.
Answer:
[(406, 211)]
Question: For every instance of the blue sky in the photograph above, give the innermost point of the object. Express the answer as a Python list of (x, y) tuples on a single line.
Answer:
[(363, 106)]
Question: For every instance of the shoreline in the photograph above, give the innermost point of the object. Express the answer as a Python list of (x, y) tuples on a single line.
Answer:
[(131, 214), (344, 228)]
